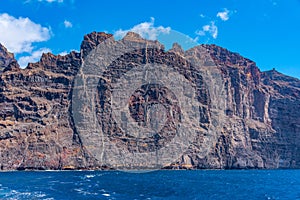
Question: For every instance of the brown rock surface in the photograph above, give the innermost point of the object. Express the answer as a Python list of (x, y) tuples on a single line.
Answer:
[(256, 127), (6, 59)]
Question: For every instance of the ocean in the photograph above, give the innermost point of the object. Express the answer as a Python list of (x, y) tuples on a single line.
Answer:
[(165, 184)]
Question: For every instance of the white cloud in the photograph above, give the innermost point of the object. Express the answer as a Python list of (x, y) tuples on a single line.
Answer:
[(146, 30), (18, 34), (224, 15), (211, 28), (68, 24), (63, 53), (34, 57)]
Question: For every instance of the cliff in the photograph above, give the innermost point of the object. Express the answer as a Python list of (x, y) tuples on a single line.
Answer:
[(245, 119)]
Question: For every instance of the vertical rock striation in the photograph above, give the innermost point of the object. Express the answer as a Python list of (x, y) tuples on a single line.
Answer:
[(259, 126)]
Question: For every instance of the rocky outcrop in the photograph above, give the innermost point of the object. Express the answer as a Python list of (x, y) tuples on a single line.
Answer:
[(255, 121), (260, 130), (6, 59), (36, 130)]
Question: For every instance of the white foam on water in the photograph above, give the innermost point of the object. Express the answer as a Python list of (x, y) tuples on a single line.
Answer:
[(14, 194), (89, 176), (83, 192), (40, 195)]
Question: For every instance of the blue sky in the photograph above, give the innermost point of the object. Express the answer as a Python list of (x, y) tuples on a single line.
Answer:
[(266, 31)]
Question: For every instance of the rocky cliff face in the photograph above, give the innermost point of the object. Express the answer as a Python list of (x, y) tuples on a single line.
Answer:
[(256, 126)]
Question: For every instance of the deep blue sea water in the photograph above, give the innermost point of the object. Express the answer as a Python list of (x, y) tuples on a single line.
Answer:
[(200, 184)]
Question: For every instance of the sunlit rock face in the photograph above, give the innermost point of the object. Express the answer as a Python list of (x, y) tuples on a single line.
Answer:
[(240, 118)]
